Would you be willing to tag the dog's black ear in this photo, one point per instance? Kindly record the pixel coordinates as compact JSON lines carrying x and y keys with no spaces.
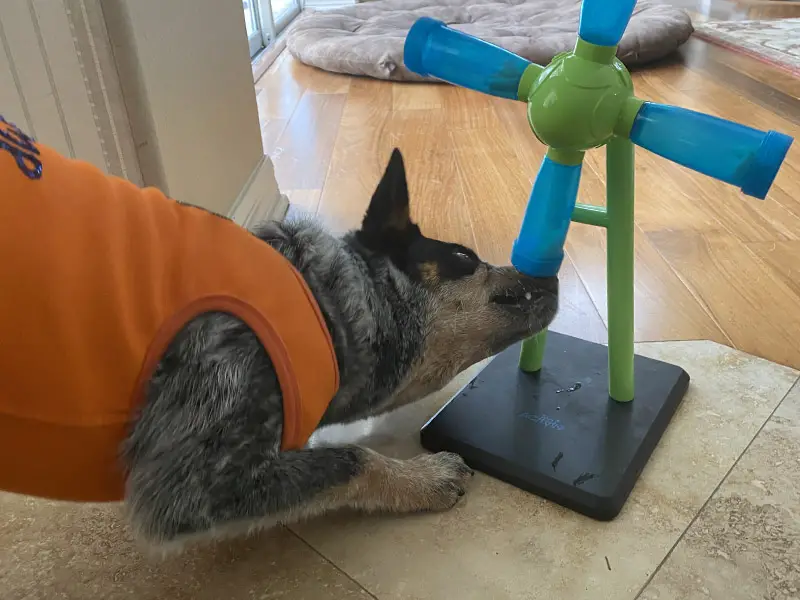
{"x":389,"y":208}
{"x":387,"y":226}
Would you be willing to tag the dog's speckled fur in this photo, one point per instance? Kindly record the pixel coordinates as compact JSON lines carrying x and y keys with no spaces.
{"x":406,"y":313}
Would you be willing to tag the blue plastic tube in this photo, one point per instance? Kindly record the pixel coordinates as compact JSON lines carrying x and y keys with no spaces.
{"x":434,"y":49}
{"x":539,"y":248}
{"x":604,"y":21}
{"x":733,"y":153}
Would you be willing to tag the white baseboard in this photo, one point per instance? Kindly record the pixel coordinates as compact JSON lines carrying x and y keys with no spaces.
{"x":263,"y":61}
{"x":260,"y":199}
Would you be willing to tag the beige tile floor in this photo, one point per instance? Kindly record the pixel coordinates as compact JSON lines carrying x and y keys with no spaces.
{"x":745,"y":543}
{"x":715,"y":515}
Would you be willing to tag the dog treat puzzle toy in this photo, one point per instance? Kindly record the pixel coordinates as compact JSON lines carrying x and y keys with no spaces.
{"x":570,"y":424}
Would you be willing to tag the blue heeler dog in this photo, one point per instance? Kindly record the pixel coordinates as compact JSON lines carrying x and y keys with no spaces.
{"x":406,"y":313}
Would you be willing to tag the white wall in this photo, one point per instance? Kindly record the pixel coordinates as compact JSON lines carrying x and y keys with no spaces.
{"x":58,"y":82}
{"x":188,"y":85}
{"x":157,"y":91}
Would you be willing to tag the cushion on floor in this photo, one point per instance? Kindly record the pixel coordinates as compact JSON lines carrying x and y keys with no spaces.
{"x":367,"y":39}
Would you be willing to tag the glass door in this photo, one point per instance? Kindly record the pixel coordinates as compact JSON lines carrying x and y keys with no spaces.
{"x":252,"y":20}
{"x":265,"y":19}
{"x":283,"y":11}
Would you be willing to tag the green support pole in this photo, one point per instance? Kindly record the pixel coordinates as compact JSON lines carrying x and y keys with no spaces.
{"x":619,"y":257}
{"x":530,"y":358}
{"x":580,"y":101}
{"x":590,"y":215}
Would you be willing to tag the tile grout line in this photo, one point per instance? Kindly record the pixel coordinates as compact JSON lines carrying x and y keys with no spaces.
{"x":647,"y":583}
{"x":330,"y":562}
{"x":730,"y":346}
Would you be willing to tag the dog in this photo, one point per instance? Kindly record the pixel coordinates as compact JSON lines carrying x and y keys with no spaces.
{"x":405,"y":313}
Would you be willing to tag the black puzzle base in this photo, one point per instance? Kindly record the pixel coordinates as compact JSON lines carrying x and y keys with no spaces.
{"x":557,"y":433}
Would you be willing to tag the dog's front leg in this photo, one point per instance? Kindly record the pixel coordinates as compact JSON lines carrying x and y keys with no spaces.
{"x":429,"y":482}
{"x":187,"y":493}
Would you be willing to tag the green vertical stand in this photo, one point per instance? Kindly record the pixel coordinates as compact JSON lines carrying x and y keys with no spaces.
{"x":619,"y":270}
{"x":564,"y":423}
{"x":577,"y":423}
{"x":532,"y":353}
{"x":617,"y":218}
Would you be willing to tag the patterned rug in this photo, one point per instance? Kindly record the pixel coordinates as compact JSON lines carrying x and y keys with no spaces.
{"x":773,"y":42}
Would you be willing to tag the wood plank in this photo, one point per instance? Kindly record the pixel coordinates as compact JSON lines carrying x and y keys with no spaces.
{"x":460,"y":108}
{"x":435,"y":188}
{"x":435,"y":184}
{"x":756,"y":309}
{"x":513,"y":122}
{"x":317,"y":81}
{"x":665,"y":309}
{"x":369,"y":133}
{"x":278,"y":92}
{"x":496,"y":187}
{"x":417,"y":96}
{"x":784,"y":260}
{"x":304,"y":149}
{"x":672,"y":197}
{"x":577,"y":315}
{"x":359,"y":159}
{"x":465,"y":109}
{"x":271,"y":131}
{"x":746,"y":218}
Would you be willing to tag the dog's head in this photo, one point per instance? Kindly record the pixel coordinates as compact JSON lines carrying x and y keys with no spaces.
{"x":475,"y":309}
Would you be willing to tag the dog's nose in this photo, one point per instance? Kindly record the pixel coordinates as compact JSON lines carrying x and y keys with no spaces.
{"x":542,"y":284}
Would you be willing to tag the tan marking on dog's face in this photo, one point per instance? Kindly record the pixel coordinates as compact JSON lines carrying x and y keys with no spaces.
{"x":474,"y":317}
{"x":475,"y":310}
{"x":429,"y":273}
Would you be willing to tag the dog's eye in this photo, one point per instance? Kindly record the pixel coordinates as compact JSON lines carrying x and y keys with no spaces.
{"x":462,"y":255}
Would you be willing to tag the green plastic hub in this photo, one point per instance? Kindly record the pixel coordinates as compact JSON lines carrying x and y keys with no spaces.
{"x":580,"y":100}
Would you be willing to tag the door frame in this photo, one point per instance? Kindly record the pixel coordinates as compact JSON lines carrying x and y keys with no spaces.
{"x":256,"y":39}
{"x":268,"y":28}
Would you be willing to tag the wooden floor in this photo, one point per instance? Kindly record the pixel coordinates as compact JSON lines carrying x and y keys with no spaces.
{"x":710,"y":262}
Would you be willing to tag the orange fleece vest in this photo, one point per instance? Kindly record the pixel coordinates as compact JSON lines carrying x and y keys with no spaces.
{"x":96,"y":278}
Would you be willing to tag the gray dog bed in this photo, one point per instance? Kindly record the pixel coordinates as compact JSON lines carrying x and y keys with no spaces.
{"x":367,"y":39}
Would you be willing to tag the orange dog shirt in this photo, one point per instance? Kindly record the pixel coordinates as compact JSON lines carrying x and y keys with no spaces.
{"x":96,"y":278}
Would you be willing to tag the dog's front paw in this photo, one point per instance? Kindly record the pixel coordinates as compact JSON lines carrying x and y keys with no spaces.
{"x":429,"y":482}
{"x":439,"y":481}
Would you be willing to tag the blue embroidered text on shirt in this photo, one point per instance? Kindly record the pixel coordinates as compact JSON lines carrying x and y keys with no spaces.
{"x":22,"y":148}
